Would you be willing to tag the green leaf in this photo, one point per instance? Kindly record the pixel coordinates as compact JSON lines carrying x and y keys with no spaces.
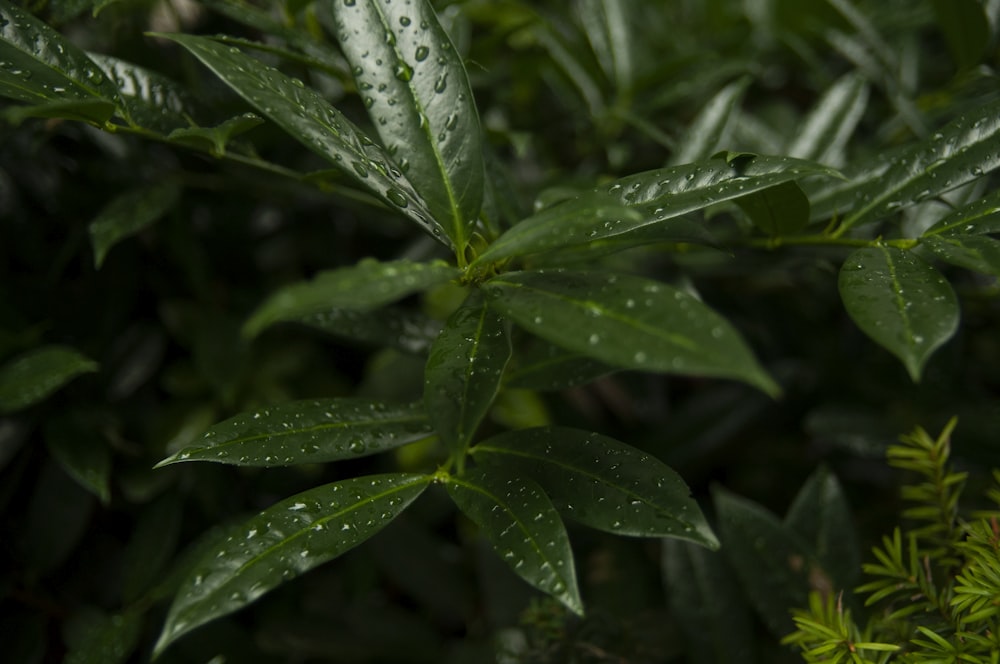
{"x":900,"y":302}
{"x":129,"y":213}
{"x":147,"y":99}
{"x":81,"y":452}
{"x":779,"y":210}
{"x":708,"y":132}
{"x":961,"y":152}
{"x":42,"y":67}
{"x":627,"y":321}
{"x":310,"y":119}
{"x":417,"y":93}
{"x":313,"y":431}
{"x":773,"y":565}
{"x":976,"y":218}
{"x":519,"y":520}
{"x":361,"y":287}
{"x":645,"y":199}
{"x":973,"y":252}
{"x":544,"y":366}
{"x":464,"y":370}
{"x":112,"y":643}
{"x":214,"y":139}
{"x":706,"y":600}
{"x":601,"y":482}
{"x":606,"y":23}
{"x":831,"y":122}
{"x":151,"y":546}
{"x":34,"y":375}
{"x":396,"y":327}
{"x":965,"y":27}
{"x":95,"y":111}
{"x":284,"y":541}
{"x":821,"y":516}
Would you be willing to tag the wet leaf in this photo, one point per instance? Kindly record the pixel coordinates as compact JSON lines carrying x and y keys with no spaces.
{"x":961,"y":152}
{"x":285,"y":541}
{"x":82,"y":452}
{"x":976,"y":218}
{"x":601,"y":482}
{"x":95,"y":111}
{"x":544,"y":366}
{"x":32,"y":376}
{"x":129,"y":213}
{"x":709,"y":130}
{"x":214,"y":139}
{"x":642,"y":200}
{"x":464,"y":370}
{"x":779,"y":210}
{"x":973,"y":252}
{"x":310,"y":119}
{"x":315,"y":431}
{"x":626,"y":321}
{"x":396,"y":327}
{"x":362,"y":287}
{"x":417,"y":93}
{"x":773,"y":564}
{"x":965,"y":27}
{"x":516,"y":516}
{"x":900,"y":302}
{"x":147,"y":99}
{"x":831,"y":122}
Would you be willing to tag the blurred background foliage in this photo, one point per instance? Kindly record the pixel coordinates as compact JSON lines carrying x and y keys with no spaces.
{"x":92,"y":538}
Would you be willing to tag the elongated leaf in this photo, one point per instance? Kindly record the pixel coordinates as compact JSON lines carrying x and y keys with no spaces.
{"x":831,"y":122}
{"x":975,"y":252}
{"x":648,"y":198}
{"x":976,"y":218}
{"x":707,"y":133}
{"x":601,"y":482}
{"x":306,"y":116}
{"x":464,"y":370}
{"x":40,"y":66}
{"x":779,"y":210}
{"x":151,"y":546}
{"x":606,"y":23}
{"x":544,"y":366}
{"x":627,"y":321}
{"x":774,"y":565}
{"x":33,"y":376}
{"x":148,"y":99}
{"x":284,"y":541}
{"x":81,"y":452}
{"x":709,"y":607}
{"x":901,"y":302}
{"x":129,"y":213}
{"x":417,"y":93}
{"x":965,"y":28}
{"x":95,"y":111}
{"x":307,"y":432}
{"x":362,"y":287}
{"x":408,"y":331}
{"x":961,"y":152}
{"x":215,"y":139}
{"x":516,"y":516}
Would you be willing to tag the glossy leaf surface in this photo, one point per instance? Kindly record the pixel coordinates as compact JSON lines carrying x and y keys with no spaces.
{"x":129,"y":213}
{"x":778,"y":210}
{"x":627,"y":321}
{"x":310,"y":119}
{"x":976,"y":218}
{"x":147,"y":99}
{"x":285,"y":541}
{"x":648,"y":198}
{"x":826,"y":130}
{"x":215,"y":139}
{"x":308,"y":432}
{"x":518,"y":519}
{"x":707,"y":133}
{"x":973,"y":252}
{"x":34,"y":375}
{"x":601,"y":482}
{"x":545,"y":366}
{"x":900,"y":302}
{"x":417,"y":93}
{"x":464,"y":370}
{"x":367,"y":285}
{"x":395,"y":327}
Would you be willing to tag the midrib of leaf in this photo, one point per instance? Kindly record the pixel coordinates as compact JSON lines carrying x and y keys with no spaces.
{"x":567,"y":582}
{"x":456,"y":213}
{"x":897,"y":290}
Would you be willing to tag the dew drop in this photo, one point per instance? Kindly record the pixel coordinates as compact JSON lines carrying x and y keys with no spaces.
{"x":396,"y":197}
{"x":403,"y":72}
{"x":441,"y":84}
{"x":404,"y":21}
{"x":360,"y":169}
{"x":422,"y":53}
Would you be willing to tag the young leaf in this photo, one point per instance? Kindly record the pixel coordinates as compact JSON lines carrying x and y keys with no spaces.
{"x":707,"y":134}
{"x":310,"y":119}
{"x":464,"y":371}
{"x":43,"y":67}
{"x":284,"y":541}
{"x":627,"y":321}
{"x":214,"y":139}
{"x":900,"y":302}
{"x":129,"y":213}
{"x":361,"y":287}
{"x":648,"y":198}
{"x":827,"y":128}
{"x":961,"y":152}
{"x":417,"y":93}
{"x":976,"y":218}
{"x":34,"y":375}
{"x":601,"y":482}
{"x":774,"y":566}
{"x":307,"y":432}
{"x":517,"y":517}
{"x":779,"y":210}
{"x":973,"y":252}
